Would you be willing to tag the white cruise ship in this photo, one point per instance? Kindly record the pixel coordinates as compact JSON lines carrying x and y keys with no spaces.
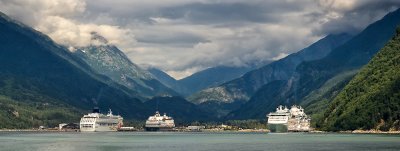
{"x":97,"y":122}
{"x":159,"y":123}
{"x":284,"y":120}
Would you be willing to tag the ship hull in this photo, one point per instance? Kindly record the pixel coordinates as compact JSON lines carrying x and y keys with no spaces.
{"x":154,"y":129}
{"x":99,"y":129}
{"x":278,"y":128}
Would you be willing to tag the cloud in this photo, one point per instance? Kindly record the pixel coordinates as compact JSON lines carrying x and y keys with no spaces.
{"x":351,"y":16}
{"x":55,"y":18}
{"x":228,"y":13}
{"x":70,"y":33}
{"x":31,"y":11}
{"x":185,"y":36}
{"x":280,"y":56}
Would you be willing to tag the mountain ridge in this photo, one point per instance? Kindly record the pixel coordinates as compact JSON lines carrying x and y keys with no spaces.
{"x":109,"y":61}
{"x":211,"y":77}
{"x":341,"y":64}
{"x":239,"y":90}
{"x":371,"y":99}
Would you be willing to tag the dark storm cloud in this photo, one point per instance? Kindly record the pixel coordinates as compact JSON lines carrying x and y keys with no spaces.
{"x":184,"y":36}
{"x":217,"y":13}
{"x":178,"y":39}
{"x":355,"y":18}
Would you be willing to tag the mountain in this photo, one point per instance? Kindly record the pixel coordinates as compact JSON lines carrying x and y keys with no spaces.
{"x":109,"y":61}
{"x":163,"y":77}
{"x":211,"y":77}
{"x":238,"y":91}
{"x":168,"y":81}
{"x":43,"y":83}
{"x":177,"y":107}
{"x":34,"y":70}
{"x":316,"y":83}
{"x":371,"y":100}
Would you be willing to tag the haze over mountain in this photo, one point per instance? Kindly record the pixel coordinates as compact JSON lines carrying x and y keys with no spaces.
{"x":213,"y":77}
{"x":203,"y":79}
{"x":166,"y":79}
{"x":317,"y":82}
{"x":238,"y":91}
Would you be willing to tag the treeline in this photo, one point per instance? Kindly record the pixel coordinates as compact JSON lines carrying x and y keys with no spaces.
{"x":22,"y":115}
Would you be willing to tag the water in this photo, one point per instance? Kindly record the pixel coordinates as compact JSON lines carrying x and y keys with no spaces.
{"x":114,"y":141}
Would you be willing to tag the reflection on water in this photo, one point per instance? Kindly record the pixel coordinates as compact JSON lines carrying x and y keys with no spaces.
{"x":112,"y":141}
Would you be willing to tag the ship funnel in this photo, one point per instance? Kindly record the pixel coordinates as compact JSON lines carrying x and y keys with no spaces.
{"x":96,"y":110}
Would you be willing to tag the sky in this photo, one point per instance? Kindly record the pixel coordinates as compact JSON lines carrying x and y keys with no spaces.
{"x":181,"y":37}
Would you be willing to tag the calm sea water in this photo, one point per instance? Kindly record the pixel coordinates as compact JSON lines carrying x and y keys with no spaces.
{"x":155,"y":141}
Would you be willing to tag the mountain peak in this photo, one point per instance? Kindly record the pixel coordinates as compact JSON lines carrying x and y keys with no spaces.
{"x":110,"y":61}
{"x":97,"y":39}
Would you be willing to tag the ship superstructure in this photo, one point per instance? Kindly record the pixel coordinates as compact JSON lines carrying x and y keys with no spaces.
{"x":97,"y":122}
{"x":159,"y":123}
{"x":299,"y":121}
{"x":292,"y":120}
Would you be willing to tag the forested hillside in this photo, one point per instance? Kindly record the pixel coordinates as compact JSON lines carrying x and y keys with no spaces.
{"x":372,"y":98}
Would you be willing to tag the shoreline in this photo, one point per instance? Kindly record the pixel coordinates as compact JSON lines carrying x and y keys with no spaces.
{"x":369,"y":132}
{"x":218,"y":131}
{"x":359,"y":132}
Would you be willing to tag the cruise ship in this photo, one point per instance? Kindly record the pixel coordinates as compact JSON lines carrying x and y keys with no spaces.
{"x":288,"y":120}
{"x":97,"y":122}
{"x":159,"y":123}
